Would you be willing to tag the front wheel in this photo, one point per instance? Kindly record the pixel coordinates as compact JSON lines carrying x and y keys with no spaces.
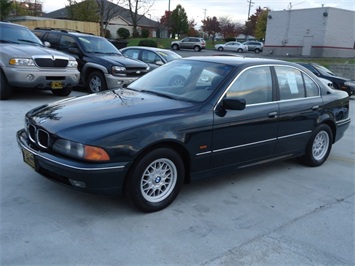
{"x":220,"y":49}
{"x":318,"y":147}
{"x":175,"y":47}
{"x":96,"y":82}
{"x":155,"y":180}
{"x":5,"y":88}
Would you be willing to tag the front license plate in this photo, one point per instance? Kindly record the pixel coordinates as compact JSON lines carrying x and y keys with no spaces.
{"x":57,"y":85}
{"x":29,"y":158}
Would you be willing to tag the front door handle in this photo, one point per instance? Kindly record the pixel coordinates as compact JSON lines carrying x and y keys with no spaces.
{"x":272,"y":115}
{"x":316,"y":107}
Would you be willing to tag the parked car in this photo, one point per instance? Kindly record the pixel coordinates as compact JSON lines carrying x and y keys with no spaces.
{"x":146,"y":140}
{"x":339,"y":83}
{"x":255,"y":46}
{"x":154,"y":57}
{"x":26,"y":62}
{"x":197,"y":44}
{"x":101,"y":64}
{"x":232,"y":46}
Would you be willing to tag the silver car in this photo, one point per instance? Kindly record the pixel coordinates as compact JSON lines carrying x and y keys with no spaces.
{"x":232,"y":46}
{"x":26,"y":62}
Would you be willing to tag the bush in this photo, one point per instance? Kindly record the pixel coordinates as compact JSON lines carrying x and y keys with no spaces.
{"x":145,"y":33}
{"x":230,"y":39}
{"x":123,"y":33}
{"x":148,"y":43}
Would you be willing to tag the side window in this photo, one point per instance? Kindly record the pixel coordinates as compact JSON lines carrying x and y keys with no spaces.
{"x":149,"y":57}
{"x":132,"y":53}
{"x":311,"y":87}
{"x":254,"y":85}
{"x":53,"y":39}
{"x":67,"y":42}
{"x":290,"y":83}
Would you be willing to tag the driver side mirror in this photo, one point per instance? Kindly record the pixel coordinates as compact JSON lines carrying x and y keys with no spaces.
{"x":233,"y":103}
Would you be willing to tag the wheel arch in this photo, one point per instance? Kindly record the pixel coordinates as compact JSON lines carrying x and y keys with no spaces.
{"x":170,"y":144}
{"x":331,"y":125}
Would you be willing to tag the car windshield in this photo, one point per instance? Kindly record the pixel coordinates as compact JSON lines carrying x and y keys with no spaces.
{"x":18,"y":35}
{"x":186,"y":80}
{"x":94,"y":44}
{"x":323,"y":70}
{"x":169,"y":56}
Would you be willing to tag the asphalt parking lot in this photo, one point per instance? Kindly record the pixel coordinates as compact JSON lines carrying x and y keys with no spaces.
{"x":279,"y":214}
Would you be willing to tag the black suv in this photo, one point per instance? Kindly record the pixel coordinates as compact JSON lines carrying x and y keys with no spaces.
{"x":101,"y":64}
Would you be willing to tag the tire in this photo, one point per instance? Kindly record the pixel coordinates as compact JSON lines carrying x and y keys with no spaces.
{"x":175,"y":47}
{"x":177,"y":81}
{"x":197,"y":48}
{"x":5,"y":88}
{"x":220,"y":49}
{"x":63,"y":92}
{"x":155,"y":180}
{"x":257,"y":51}
{"x":240,"y":50}
{"x":318,"y":147}
{"x":96,"y":82}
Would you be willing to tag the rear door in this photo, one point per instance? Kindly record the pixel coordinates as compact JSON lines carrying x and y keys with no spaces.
{"x":300,"y":103}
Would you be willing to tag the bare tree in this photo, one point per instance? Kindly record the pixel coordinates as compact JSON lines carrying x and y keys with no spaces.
{"x":137,"y":10}
{"x":107,"y":11}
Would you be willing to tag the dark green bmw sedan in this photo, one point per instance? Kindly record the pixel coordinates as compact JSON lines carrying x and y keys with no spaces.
{"x":149,"y":138}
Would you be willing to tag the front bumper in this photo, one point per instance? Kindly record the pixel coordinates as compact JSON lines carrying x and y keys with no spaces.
{"x":35,"y":78}
{"x":114,"y":82}
{"x":104,"y":178}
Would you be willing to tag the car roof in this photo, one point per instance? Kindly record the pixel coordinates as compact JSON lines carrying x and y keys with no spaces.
{"x":237,"y":61}
{"x":146,"y":48}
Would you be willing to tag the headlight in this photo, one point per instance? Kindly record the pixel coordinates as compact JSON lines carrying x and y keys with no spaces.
{"x":349,"y":84}
{"x":21,"y":62}
{"x":117,"y":70}
{"x":73,"y":63}
{"x":80,"y":151}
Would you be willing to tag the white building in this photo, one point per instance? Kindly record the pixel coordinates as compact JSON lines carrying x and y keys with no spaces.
{"x":315,"y":32}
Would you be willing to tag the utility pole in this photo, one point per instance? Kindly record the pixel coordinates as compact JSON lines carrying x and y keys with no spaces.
{"x":250,"y":5}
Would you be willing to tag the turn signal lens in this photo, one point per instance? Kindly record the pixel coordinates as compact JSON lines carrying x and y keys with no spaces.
{"x":95,"y":154}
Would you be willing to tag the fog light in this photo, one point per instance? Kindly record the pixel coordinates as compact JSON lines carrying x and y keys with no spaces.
{"x":30,"y":77}
{"x":75,"y":77}
{"x":76,"y":183}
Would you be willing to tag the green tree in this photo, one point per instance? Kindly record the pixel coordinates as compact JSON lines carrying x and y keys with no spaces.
{"x":179,"y":23}
{"x":250,"y":25}
{"x":5,"y":8}
{"x":83,"y":11}
{"x":261,"y":22}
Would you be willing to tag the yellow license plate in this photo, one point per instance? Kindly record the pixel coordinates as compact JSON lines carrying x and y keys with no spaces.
{"x":29,"y":158}
{"x":57,"y":85}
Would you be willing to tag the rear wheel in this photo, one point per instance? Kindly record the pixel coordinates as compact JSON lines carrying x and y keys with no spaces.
{"x":5,"y":88}
{"x":197,"y":48}
{"x":155,"y":180}
{"x":240,"y":50}
{"x":318,"y":147}
{"x":257,"y":50}
{"x":63,"y":92}
{"x":96,"y":82}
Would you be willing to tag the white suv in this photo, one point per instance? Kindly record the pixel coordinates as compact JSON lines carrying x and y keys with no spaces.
{"x":26,"y":62}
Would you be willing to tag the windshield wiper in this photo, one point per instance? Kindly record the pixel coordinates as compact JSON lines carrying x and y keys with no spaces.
{"x":6,"y":41}
{"x":29,"y":41}
{"x":159,"y":94}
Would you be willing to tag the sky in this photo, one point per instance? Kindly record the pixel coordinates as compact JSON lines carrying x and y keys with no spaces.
{"x":235,"y":10}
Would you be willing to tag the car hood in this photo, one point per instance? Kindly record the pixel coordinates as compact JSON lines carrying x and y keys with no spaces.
{"x":96,"y":116}
{"x":23,"y":50}
{"x":123,"y":61}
